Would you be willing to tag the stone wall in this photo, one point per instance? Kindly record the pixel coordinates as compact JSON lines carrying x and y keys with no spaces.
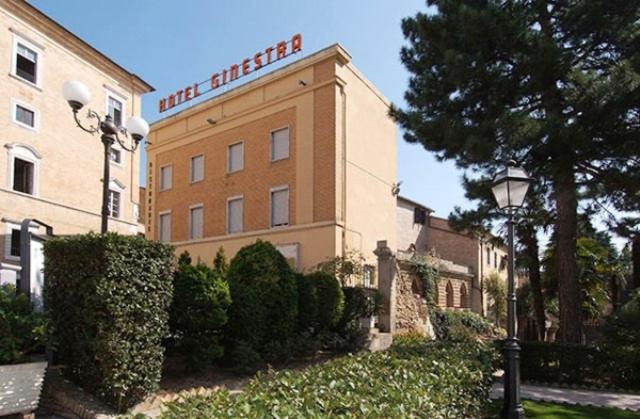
{"x":412,"y":313}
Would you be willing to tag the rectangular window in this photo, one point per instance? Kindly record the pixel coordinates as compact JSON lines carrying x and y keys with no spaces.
{"x":419,"y":215}
{"x":114,"y":204}
{"x":165,"y":228}
{"x":280,"y":144}
{"x":22,"y":176}
{"x":196,"y":222}
{"x":166,"y":173}
{"x":280,"y":207}
{"x":488,"y":255}
{"x":197,"y":168}
{"x":116,"y":155}
{"x":368,"y":274}
{"x":114,"y":109}
{"x":235,"y":215}
{"x":26,"y":63}
{"x":25,"y":116}
{"x":15,"y":243}
{"x":235,"y":157}
{"x":495,"y":260}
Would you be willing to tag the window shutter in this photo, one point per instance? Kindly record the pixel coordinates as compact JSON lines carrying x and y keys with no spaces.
{"x":235,"y":215}
{"x":280,"y":144}
{"x":165,"y":227}
{"x":196,"y":223}
{"x":236,"y":157}
{"x":280,"y":208}
{"x":165,"y":177}
{"x":197,"y":168}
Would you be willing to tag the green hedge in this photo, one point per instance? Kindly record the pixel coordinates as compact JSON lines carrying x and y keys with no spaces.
{"x":414,"y":378}
{"x":458,"y":325}
{"x":307,"y":303}
{"x":198,"y":312}
{"x":107,"y":298}
{"x":264,"y":307}
{"x":22,"y":330}
{"x":320,"y":301}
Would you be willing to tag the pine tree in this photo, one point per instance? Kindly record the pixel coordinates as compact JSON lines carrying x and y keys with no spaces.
{"x":552,"y":84}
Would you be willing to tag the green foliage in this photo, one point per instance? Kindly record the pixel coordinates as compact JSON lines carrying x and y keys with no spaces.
{"x":264,"y":298}
{"x":415,"y":379}
{"x":198,"y":313}
{"x":107,"y":299}
{"x":22,"y":330}
{"x":307,"y":303}
{"x":458,"y":325}
{"x":330,"y":299}
{"x":497,"y":290}
{"x":220,"y":265}
{"x":358,"y":303}
{"x":426,"y":268}
{"x":349,"y":269}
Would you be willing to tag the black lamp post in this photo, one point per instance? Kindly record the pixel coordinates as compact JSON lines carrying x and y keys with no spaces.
{"x":77,"y":95}
{"x":510,"y":188}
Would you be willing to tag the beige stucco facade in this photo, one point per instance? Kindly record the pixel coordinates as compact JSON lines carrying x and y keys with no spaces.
{"x":66,"y":178}
{"x":339,"y":170}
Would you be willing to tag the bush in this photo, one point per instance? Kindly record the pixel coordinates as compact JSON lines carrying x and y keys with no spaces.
{"x":199,"y":312}
{"x":307,"y":303}
{"x":412,"y":379}
{"x":108,"y":297}
{"x":330,"y":299}
{"x":458,"y":325}
{"x":264,"y":297}
{"x":22,"y":330}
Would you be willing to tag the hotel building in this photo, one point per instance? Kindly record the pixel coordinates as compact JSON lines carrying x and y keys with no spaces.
{"x":52,"y":170}
{"x":304,"y":157}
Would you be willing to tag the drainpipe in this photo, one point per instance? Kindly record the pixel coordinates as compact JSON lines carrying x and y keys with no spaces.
{"x":343,"y":98}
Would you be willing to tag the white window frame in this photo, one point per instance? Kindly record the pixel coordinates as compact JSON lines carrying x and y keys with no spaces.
{"x":14,"y":60}
{"x":26,"y":153}
{"x":121,"y":162}
{"x":36,"y":115}
{"x":116,"y":186}
{"x":160,"y":214}
{"x":162,"y":188}
{"x":271,"y":159}
{"x":109,"y":93}
{"x":229,"y":200}
{"x":191,"y":208}
{"x":241,"y":144}
{"x":191,"y":180}
{"x":9,"y":227}
{"x":279,"y":189}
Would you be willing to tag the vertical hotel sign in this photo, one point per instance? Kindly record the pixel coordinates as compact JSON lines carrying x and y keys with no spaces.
{"x":227,"y":75}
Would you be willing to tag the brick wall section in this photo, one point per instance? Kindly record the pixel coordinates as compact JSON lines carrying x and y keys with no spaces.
{"x":254,"y":181}
{"x":324,"y":146}
{"x":456,"y":284}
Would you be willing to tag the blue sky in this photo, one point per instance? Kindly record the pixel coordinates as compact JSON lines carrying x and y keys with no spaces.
{"x":173,"y":43}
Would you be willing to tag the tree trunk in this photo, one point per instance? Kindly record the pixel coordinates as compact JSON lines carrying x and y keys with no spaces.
{"x":566,"y":270}
{"x":635,"y":258}
{"x":532,"y":251}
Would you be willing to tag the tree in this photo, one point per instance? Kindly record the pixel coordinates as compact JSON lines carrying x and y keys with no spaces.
{"x":552,"y":84}
{"x":497,"y":289}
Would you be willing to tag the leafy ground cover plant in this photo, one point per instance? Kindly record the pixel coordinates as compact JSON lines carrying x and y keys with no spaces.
{"x":22,"y":330}
{"x":414,"y":378}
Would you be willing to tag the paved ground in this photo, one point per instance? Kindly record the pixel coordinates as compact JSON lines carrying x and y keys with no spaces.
{"x":572,"y":396}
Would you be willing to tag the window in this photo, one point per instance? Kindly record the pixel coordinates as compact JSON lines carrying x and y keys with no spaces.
{"x":280,"y":207}
{"x":197,"y":168}
{"x":15,"y":243}
{"x":196,"y":221}
{"x":488,"y":255}
{"x":115,"y":110}
{"x":23,"y":176}
{"x":495,"y":260}
{"x":26,"y":61}
{"x":166,"y":173}
{"x":165,"y":227}
{"x":114,"y":204}
{"x":449,"y":291}
{"x":116,"y":155}
{"x":419,"y":215}
{"x":25,"y":116}
{"x":235,"y":157}
{"x":235,"y":215}
{"x":280,"y":144}
{"x":368,"y":274}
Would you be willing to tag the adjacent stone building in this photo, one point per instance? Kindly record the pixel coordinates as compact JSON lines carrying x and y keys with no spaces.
{"x":52,"y":170}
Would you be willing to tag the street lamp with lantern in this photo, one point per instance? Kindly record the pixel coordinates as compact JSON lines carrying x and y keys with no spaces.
{"x":78,"y":96}
{"x":509,"y":189}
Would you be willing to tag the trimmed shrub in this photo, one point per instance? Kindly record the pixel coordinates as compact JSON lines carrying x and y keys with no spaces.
{"x":458,"y":325}
{"x":22,"y":330}
{"x":412,"y":379}
{"x":199,"y":312}
{"x":330,"y":299}
{"x":307,"y":303}
{"x":264,"y":297}
{"x":107,"y":297}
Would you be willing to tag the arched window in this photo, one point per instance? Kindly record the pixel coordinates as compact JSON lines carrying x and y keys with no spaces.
{"x":23,"y":169}
{"x":449,"y":291}
{"x":464,"y":297}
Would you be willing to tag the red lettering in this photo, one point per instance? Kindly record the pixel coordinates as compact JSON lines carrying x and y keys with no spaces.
{"x":196,"y":92}
{"x":163,"y":105}
{"x":268,"y":51}
{"x":296,"y":43}
{"x":257,"y":60}
{"x":172,"y":101}
{"x":245,"y":66}
{"x":179,"y":96}
{"x":281,"y":50}
{"x":233,"y":70}
{"x":224,"y":76}
{"x":187,"y":93}
{"x":214,"y":81}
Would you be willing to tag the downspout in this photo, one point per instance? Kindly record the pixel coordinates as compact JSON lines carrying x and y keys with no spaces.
{"x":343,"y":98}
